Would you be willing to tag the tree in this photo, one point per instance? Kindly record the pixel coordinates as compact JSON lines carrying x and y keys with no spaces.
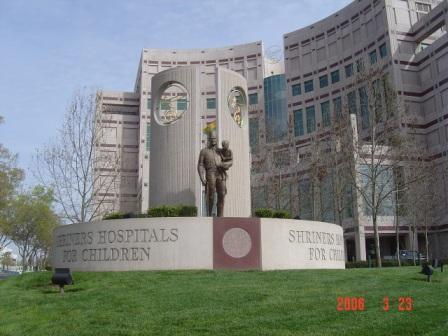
{"x":377,"y":146}
{"x":32,"y":222}
{"x":67,"y":163}
{"x":10,"y":178}
{"x":6,"y":260}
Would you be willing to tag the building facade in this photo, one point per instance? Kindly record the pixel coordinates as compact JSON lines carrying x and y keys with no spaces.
{"x":406,"y":38}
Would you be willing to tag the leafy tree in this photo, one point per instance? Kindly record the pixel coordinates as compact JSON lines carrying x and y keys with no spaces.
{"x":6,"y":260}
{"x":10,"y":178}
{"x":32,"y":223}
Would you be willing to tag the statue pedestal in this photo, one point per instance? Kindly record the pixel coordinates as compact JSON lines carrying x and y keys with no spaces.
{"x":182,"y":243}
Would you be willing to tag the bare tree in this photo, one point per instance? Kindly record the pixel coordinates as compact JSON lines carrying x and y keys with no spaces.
{"x":377,"y":149}
{"x":67,"y":163}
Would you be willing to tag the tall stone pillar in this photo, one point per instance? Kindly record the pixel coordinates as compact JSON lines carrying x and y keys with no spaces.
{"x":360,"y":237}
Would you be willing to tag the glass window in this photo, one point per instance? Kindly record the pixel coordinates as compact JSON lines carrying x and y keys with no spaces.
{"x":335,"y":77}
{"x":364,"y":104}
{"x":351,"y":96}
{"x":423,"y":7}
{"x":253,"y":99}
{"x":383,"y":50}
{"x":348,"y":202}
{"x":310,"y":119}
{"x":323,"y":81}
{"x":360,"y":65}
{"x":211,"y":103}
{"x":253,"y":134}
{"x":349,"y":70}
{"x":326,"y":118}
{"x":164,"y":104}
{"x":148,"y":104}
{"x":182,"y":104}
{"x":327,"y":199}
{"x":305,"y":200}
{"x":373,"y":57}
{"x":296,"y":89}
{"x":298,"y":123}
{"x":384,"y":182}
{"x":337,"y":107}
{"x":309,"y":86}
{"x":148,"y":137}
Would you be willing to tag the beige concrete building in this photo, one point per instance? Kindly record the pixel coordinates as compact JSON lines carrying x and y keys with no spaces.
{"x":408,"y":38}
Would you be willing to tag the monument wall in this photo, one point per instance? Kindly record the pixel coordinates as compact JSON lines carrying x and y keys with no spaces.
{"x":185,"y":243}
{"x":177,"y":136}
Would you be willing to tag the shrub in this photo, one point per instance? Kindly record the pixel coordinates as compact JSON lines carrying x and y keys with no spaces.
{"x":384,"y":263}
{"x":173,"y":211}
{"x":281,"y":214}
{"x":264,"y":213}
{"x":116,"y":215}
{"x":188,"y":211}
{"x":356,"y":264}
{"x":164,"y":211}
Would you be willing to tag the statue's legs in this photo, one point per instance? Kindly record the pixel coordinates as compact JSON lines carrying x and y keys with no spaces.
{"x":210,"y":192}
{"x":222,"y":191}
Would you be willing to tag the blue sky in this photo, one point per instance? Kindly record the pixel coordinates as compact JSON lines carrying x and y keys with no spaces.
{"x":50,"y":48}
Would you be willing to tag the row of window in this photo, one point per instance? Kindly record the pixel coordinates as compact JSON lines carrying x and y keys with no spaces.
{"x":335,"y":75}
{"x":310,"y":113}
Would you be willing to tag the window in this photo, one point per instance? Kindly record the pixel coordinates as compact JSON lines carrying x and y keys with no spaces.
{"x":351,"y":96}
{"x":181,"y":104}
{"x":373,"y":57}
{"x":298,"y":123}
{"x":384,"y":182}
{"x":309,"y":86}
{"x":164,"y":104}
{"x":337,"y":107}
{"x":253,"y":99}
{"x":323,"y":81}
{"x":383,"y":50}
{"x":422,"y":9}
{"x":211,"y":103}
{"x":310,"y":119}
{"x":148,"y":137}
{"x":349,"y":70}
{"x":364,"y":104}
{"x":148,"y":104}
{"x":296,"y":89}
{"x":360,"y":65}
{"x":326,"y":118}
{"x":335,"y":77}
{"x":305,"y":200}
{"x":253,"y":134}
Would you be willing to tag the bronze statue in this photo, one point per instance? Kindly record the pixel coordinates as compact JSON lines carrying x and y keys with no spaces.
{"x":213,"y":164}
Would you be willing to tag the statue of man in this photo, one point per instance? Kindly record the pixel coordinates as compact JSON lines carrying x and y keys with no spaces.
{"x":212,"y":166}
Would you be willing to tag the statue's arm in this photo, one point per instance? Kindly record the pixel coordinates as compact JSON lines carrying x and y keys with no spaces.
{"x":201,"y":168}
{"x":228,"y":162}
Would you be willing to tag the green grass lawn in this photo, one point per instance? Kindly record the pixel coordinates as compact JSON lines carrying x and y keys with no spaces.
{"x":225,"y":303}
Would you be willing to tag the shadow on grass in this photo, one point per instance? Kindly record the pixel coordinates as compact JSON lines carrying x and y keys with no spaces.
{"x":55,"y":290}
{"x":425,"y":280}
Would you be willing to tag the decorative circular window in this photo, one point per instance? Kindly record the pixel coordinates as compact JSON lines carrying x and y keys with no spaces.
{"x":173,"y":103}
{"x":237,"y":105}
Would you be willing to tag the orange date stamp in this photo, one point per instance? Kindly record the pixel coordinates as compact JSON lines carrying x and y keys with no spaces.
{"x":349,"y":303}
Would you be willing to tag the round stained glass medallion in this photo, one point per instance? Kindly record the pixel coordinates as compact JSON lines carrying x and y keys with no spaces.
{"x":237,"y":105}
{"x":173,"y":103}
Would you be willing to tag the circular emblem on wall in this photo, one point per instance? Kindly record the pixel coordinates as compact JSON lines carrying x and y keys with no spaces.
{"x":237,"y":242}
{"x":237,"y":105}
{"x":173,"y":103}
